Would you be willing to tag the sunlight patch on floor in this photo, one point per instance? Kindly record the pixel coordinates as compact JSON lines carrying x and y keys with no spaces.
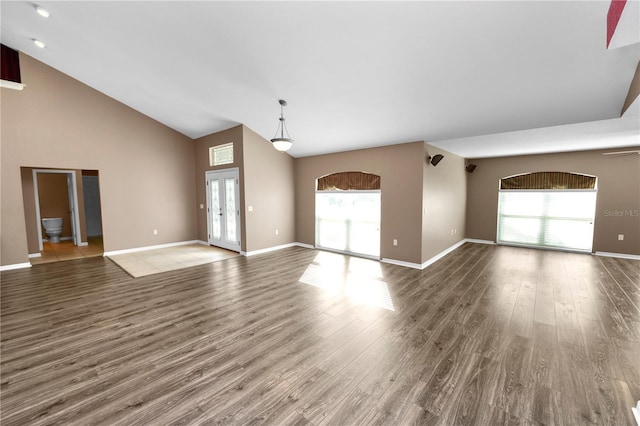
{"x":359,"y":280}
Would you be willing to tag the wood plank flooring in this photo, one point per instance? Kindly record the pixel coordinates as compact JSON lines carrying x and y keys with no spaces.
{"x":487,"y":335}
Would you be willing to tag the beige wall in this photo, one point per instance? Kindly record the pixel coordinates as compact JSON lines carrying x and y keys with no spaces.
{"x":400,"y":168}
{"x":269,"y":187}
{"x":202,"y":146}
{"x":444,"y":202}
{"x":618,"y":193}
{"x":146,"y":169}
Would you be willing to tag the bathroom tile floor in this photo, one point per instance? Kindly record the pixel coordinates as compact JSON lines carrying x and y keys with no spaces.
{"x":150,"y":262}
{"x":66,"y":250}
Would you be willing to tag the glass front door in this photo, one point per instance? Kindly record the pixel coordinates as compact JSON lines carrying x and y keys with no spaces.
{"x":223,"y":209}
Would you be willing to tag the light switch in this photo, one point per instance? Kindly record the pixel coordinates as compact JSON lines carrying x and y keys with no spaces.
{"x":250,"y":208}
{"x":201,"y":206}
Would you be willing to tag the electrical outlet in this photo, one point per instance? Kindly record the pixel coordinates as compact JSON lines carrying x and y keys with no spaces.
{"x":155,"y":232}
{"x":201,"y":206}
{"x":250,"y":209}
{"x":395,"y":242}
{"x":276,"y":232}
{"x":620,"y":237}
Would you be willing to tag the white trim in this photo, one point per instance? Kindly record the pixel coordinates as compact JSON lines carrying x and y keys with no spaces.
{"x":15,"y":266}
{"x":7,"y":84}
{"x":34,"y":255}
{"x":202,"y":243}
{"x":619,"y":255}
{"x":401,"y":263}
{"x":442,"y":254}
{"x":636,"y":412}
{"x":84,"y":243}
{"x":473,"y":240}
{"x":304,"y":245}
{"x":428,"y":262}
{"x":159,"y":246}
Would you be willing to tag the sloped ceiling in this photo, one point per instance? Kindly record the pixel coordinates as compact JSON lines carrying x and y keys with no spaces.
{"x":355,"y":74}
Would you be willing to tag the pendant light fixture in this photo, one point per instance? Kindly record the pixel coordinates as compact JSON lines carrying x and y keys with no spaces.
{"x":280,"y":142}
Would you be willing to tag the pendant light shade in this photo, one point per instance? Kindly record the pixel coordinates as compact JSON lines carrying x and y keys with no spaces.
{"x":280,"y":141}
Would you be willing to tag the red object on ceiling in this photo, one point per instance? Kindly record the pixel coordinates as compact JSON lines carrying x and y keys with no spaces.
{"x":613,"y":17}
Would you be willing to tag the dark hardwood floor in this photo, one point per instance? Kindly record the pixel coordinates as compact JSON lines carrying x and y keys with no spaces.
{"x":487,"y":335}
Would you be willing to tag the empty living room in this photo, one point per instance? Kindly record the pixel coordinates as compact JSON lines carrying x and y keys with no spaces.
{"x":320,"y":213}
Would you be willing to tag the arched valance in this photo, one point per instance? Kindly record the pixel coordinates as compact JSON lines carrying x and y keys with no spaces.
{"x":349,"y":181}
{"x":548,"y":180}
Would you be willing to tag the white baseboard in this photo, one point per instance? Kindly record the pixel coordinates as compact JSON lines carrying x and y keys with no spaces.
{"x":473,"y":240}
{"x":203,"y":243}
{"x":428,"y":262}
{"x":401,"y":263}
{"x":442,"y":254}
{"x":159,"y":246}
{"x":304,"y":245}
{"x":619,"y":255}
{"x":83,"y":244}
{"x":34,"y":255}
{"x":15,"y":266}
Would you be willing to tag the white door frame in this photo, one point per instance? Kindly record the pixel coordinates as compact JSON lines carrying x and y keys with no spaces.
{"x":208,"y":175}
{"x":73,"y":196}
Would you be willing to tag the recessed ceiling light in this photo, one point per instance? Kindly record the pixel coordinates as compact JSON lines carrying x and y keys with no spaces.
{"x":42,"y":11}
{"x":39,"y":43}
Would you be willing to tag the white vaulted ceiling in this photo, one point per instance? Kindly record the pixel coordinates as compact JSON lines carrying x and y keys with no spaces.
{"x":355,"y":74}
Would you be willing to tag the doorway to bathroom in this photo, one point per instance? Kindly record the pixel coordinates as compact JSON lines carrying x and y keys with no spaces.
{"x":53,"y":202}
{"x":69,"y":196}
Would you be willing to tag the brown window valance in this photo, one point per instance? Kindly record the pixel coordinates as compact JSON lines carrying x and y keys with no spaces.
{"x":349,"y":181}
{"x":548,"y":180}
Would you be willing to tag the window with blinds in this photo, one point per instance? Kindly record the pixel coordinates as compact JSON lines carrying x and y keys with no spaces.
{"x":551,"y":218}
{"x":348,"y":213}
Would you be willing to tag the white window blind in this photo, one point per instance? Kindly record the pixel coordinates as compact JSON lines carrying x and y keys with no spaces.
{"x":553,"y":218}
{"x":349,"y":221}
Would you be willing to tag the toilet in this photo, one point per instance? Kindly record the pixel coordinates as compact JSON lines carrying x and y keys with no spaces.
{"x":53,"y":228}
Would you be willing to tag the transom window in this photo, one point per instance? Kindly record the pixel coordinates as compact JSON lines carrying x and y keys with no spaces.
{"x":221,"y":154}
